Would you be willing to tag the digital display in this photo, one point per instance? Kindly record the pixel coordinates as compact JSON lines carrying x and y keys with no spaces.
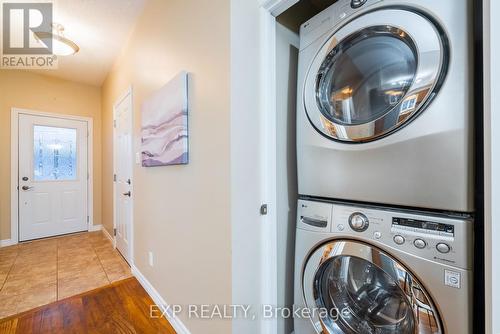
{"x":423,"y":224}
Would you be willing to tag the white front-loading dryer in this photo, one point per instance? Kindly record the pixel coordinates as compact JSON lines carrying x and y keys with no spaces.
{"x":384,"y":110}
{"x":372,"y":270}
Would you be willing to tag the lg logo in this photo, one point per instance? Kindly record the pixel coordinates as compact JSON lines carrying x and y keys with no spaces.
{"x":21,"y":23}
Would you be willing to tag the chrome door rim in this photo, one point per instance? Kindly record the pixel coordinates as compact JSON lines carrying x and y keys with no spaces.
{"x":353,"y":248}
{"x":429,"y":36}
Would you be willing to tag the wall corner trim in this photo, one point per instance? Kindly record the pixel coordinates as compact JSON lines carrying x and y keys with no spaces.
{"x":176,"y":323}
{"x":107,"y":235}
{"x":7,"y":242}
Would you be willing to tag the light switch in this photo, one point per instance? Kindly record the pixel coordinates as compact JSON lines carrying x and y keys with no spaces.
{"x":151,"y":259}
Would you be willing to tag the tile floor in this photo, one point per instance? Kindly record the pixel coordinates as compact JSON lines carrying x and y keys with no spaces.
{"x":40,"y":272}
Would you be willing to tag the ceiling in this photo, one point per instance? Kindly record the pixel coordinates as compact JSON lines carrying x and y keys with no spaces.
{"x":100,"y":28}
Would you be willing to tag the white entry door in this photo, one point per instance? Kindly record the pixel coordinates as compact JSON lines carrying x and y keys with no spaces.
{"x":53,"y":176}
{"x":123,"y":174}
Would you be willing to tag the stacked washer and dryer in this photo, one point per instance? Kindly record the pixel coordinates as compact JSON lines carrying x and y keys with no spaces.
{"x":385,"y":169}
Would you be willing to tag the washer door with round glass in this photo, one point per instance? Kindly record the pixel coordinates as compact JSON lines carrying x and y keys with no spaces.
{"x":354,"y":288}
{"x":375,"y":74}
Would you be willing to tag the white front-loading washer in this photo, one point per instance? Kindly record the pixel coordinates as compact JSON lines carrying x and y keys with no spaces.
{"x":373,"y":270}
{"x":384,"y":110}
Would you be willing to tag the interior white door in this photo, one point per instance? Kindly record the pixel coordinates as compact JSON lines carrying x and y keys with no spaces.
{"x":123,"y":172}
{"x":53,"y":175}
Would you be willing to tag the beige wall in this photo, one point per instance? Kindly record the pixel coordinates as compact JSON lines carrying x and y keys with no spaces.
{"x":26,"y":90}
{"x":181,"y":213}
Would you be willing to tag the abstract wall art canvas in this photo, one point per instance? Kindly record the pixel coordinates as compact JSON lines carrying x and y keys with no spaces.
{"x":164,"y":134}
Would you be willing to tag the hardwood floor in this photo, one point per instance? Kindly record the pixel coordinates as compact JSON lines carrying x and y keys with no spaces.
{"x":122,"y":308}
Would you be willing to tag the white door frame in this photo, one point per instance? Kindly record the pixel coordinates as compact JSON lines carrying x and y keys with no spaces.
{"x":491,"y":49}
{"x":128,"y":92}
{"x":14,"y":167}
{"x":269,"y":280}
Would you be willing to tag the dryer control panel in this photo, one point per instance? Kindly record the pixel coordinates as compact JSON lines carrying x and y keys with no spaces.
{"x":330,"y":19}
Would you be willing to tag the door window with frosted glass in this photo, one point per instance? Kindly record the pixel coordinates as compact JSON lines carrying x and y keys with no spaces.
{"x":54,"y":153}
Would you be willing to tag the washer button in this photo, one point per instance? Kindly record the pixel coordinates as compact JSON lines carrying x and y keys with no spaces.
{"x":419,"y":243}
{"x":443,"y":248}
{"x":377,"y":235}
{"x":340,"y":227}
{"x":399,"y":239}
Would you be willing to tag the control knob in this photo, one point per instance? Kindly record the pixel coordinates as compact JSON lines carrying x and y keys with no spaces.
{"x":358,"y":222}
{"x":357,"y":3}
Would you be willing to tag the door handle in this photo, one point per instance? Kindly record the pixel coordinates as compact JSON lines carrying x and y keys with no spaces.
{"x":26,"y":188}
{"x":128,"y":193}
{"x":321,"y":223}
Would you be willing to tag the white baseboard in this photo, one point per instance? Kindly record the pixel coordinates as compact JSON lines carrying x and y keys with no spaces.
{"x":95,"y":228}
{"x":179,"y":327}
{"x":107,"y":235}
{"x":7,"y":242}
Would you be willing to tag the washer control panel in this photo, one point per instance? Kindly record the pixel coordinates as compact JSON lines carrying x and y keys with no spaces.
{"x":424,"y":232}
{"x":423,"y":226}
{"x":439,"y":238}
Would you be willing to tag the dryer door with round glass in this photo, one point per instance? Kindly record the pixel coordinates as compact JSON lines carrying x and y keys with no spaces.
{"x":356,"y":288}
{"x":375,"y":74}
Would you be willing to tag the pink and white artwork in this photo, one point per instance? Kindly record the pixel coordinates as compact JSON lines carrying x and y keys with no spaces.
{"x":165,"y":125}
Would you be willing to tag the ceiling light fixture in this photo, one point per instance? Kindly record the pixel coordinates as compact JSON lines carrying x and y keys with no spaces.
{"x":61,"y":45}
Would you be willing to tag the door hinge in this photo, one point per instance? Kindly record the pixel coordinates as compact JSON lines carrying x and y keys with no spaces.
{"x":114,"y":177}
{"x":114,"y":231}
{"x":88,"y":219}
{"x":114,"y":123}
{"x":263,"y":209}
